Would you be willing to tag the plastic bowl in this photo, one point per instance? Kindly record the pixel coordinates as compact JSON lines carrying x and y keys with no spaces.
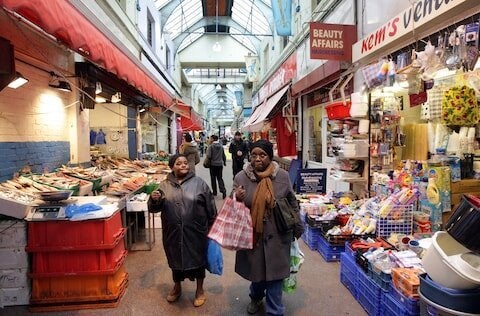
{"x":441,"y":263}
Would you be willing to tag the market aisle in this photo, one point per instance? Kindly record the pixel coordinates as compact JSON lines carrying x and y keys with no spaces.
{"x":320,"y":291}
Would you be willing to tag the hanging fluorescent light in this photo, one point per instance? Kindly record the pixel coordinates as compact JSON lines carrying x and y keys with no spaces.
{"x":98,"y":88}
{"x":18,"y":81}
{"x":218,"y":87}
{"x":117,"y":97}
{"x":99,"y":99}
{"x":217,"y":47}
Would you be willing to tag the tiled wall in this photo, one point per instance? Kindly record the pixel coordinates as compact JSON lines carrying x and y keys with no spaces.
{"x":38,"y":155}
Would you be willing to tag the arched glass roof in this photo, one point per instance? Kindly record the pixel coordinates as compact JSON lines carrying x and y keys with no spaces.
{"x":187,"y":13}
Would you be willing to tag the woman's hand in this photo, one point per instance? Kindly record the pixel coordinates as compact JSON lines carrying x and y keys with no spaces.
{"x":157,"y":195}
{"x":240,"y":194}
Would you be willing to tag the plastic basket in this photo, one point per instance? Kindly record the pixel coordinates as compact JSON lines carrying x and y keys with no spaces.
{"x":348,"y":267}
{"x":311,"y":236}
{"x":349,"y":251}
{"x":381,"y":278}
{"x":399,"y":220}
{"x":75,"y":235}
{"x":78,"y":288}
{"x":328,"y":252}
{"x":83,"y":262}
{"x":369,"y":295}
{"x":349,"y":284}
{"x":412,"y":305}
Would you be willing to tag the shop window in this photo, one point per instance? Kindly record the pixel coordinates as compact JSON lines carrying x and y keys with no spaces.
{"x":150,"y":29}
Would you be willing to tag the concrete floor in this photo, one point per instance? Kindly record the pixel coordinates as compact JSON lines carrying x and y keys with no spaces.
{"x":319,"y":293}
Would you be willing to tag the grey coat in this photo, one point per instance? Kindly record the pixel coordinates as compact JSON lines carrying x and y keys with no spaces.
{"x":269,"y":259}
{"x":216,"y":154}
{"x":188,"y":211}
{"x":191,"y":151}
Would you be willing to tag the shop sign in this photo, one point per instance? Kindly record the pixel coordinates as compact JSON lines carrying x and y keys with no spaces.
{"x":311,"y":181}
{"x":286,"y":72}
{"x":417,"y":15}
{"x":332,"y":41}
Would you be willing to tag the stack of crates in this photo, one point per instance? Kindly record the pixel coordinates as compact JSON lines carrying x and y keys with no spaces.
{"x":348,"y":272}
{"x":330,"y":252}
{"x":395,"y":303}
{"x":14,"y":283}
{"x":311,"y":236}
{"x":369,"y":294}
{"x":77,"y":264}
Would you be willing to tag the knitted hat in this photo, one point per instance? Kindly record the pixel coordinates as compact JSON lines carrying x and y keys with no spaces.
{"x":265,"y":145}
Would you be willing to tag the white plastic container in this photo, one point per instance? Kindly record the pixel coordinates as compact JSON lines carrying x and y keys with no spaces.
{"x":14,"y":296}
{"x":14,"y":234}
{"x":13,"y":278}
{"x":14,"y":208}
{"x":13,"y":258}
{"x":137,"y":206}
{"x":450,"y":264}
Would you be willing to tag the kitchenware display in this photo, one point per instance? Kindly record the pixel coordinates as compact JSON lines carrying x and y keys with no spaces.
{"x":451,"y":264}
{"x":464,"y":223}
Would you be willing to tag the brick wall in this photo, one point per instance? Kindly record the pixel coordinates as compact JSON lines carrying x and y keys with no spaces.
{"x":38,"y":155}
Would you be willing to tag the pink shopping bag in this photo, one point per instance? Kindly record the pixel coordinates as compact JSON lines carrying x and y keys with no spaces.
{"x":232,"y":228}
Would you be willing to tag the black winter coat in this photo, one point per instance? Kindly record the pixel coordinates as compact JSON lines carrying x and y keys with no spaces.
{"x":188,"y":211}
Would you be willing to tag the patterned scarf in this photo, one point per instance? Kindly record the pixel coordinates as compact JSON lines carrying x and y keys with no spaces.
{"x":263,"y":200}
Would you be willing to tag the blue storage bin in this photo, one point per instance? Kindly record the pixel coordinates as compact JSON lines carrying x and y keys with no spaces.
{"x":328,"y":252}
{"x":349,"y":250}
{"x":465,"y":301}
{"x":394,"y":307}
{"x":371,"y":303}
{"x":382,"y":279}
{"x":369,"y":284}
{"x":348,"y":266}
{"x":411,"y":304}
{"x":349,"y":284}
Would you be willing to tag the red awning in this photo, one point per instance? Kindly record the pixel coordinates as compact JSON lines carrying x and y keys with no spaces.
{"x":60,"y":19}
{"x":317,"y":78}
{"x":189,"y":119}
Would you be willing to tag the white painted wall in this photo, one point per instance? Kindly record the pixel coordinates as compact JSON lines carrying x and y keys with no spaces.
{"x":111,"y":118}
{"x":201,"y":51}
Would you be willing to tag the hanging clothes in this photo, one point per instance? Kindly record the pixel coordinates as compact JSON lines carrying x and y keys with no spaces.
{"x":286,"y":140}
{"x":101,"y":137}
{"x":93,"y":137}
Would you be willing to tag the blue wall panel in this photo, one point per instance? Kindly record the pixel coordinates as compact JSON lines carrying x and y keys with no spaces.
{"x":37,"y":155}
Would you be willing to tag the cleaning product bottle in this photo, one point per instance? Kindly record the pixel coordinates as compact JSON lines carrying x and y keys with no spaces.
{"x":433,"y":195}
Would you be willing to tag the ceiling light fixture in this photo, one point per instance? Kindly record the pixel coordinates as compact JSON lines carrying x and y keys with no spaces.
{"x":117,"y":97}
{"x":58,"y":83}
{"x":216,"y":47}
{"x":99,"y":99}
{"x":142,"y":109}
{"x":218,"y":87}
{"x":18,"y":81}
{"x":98,"y":88}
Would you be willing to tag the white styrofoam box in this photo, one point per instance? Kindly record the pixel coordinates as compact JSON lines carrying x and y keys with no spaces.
{"x":13,"y":234}
{"x":13,"y":278}
{"x":137,"y":206}
{"x":13,"y":208}
{"x":14,"y":296}
{"x":85,"y":189}
{"x":13,"y":258}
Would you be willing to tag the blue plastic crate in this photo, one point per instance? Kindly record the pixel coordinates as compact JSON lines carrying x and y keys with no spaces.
{"x":394,"y":307}
{"x":348,"y":266}
{"x":369,"y":284}
{"x":412,"y":305}
{"x":384,"y":280}
{"x":349,"y":250}
{"x":311,"y":236}
{"x":331,"y":247}
{"x":349,"y":284}
{"x":370,"y":304}
{"x":329,"y":253}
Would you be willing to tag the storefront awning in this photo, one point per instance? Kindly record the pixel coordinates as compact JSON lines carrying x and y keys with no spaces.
{"x":61,"y":20}
{"x":189,"y":119}
{"x":263,"y":110}
{"x":322,"y":75}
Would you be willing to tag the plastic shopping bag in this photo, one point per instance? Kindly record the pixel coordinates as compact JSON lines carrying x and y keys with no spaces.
{"x":232,"y":228}
{"x":296,"y":260}
{"x":214,"y":258}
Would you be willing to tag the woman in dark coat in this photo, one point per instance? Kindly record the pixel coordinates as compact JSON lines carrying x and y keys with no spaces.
{"x":188,"y":211}
{"x":268,"y":263}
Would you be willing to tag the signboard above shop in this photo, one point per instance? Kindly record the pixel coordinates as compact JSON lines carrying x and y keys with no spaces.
{"x":417,"y":21}
{"x":332,"y":41}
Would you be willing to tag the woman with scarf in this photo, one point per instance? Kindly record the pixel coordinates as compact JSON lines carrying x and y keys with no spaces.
{"x":268,"y":263}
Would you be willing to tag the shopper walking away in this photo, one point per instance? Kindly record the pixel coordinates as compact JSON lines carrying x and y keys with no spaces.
{"x":239,"y":150}
{"x":190,"y":150}
{"x":258,"y":185}
{"x":187,"y":211}
{"x":202,"y":139}
{"x":217,"y":157}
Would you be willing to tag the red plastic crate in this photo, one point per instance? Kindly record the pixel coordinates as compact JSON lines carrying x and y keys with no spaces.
{"x":83,"y":262}
{"x":68,"y":289}
{"x":72,"y":235}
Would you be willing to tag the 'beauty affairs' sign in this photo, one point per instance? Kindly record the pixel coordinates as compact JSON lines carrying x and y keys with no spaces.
{"x":332,"y":41}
